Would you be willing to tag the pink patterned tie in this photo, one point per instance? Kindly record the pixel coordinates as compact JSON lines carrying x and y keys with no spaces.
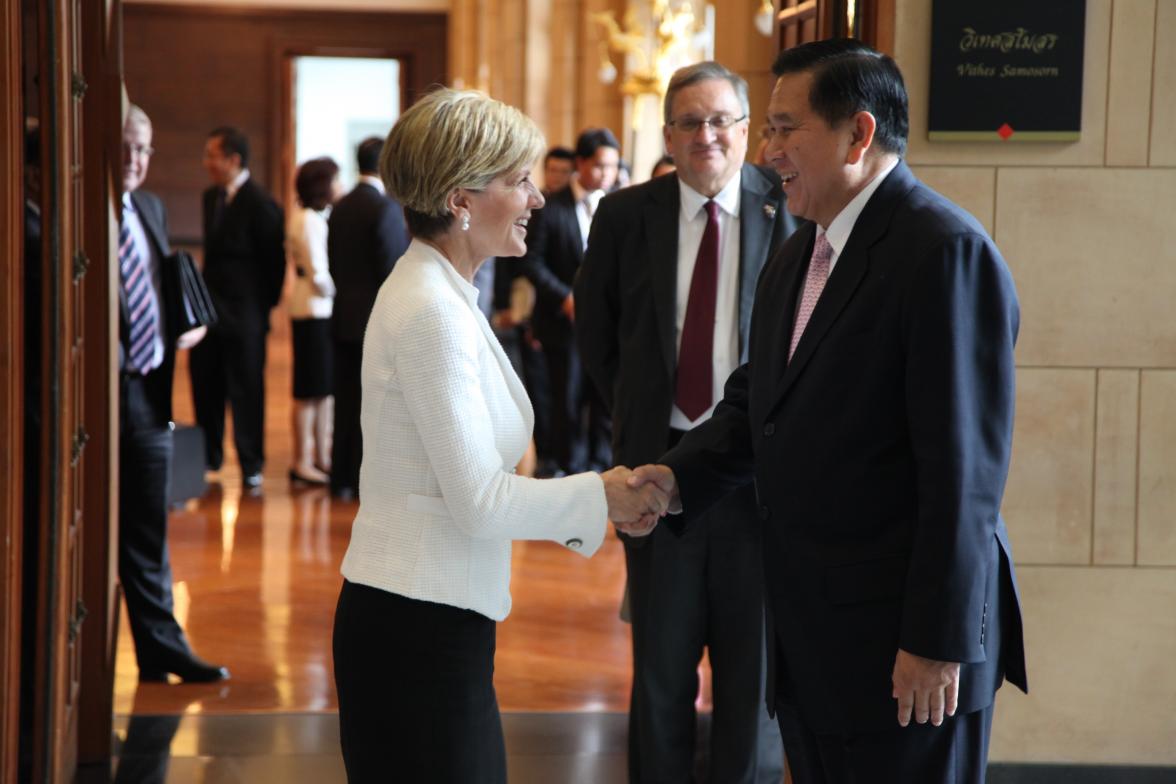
{"x":814,"y":284}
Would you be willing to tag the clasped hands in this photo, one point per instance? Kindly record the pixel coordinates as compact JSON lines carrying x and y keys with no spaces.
{"x":638,"y":498}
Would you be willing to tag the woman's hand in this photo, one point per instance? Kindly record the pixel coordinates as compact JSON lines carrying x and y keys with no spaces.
{"x":633,"y":510}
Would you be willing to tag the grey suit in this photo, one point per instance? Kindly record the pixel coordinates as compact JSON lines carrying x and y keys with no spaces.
{"x":704,"y":588}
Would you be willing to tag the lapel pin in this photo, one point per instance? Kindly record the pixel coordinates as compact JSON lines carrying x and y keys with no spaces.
{"x":770,"y":211}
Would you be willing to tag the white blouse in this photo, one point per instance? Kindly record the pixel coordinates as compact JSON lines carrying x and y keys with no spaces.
{"x":445,"y":420}
{"x":313,"y":294}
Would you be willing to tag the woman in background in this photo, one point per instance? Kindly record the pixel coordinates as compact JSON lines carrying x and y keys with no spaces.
{"x":444,"y":421}
{"x":311,"y":300}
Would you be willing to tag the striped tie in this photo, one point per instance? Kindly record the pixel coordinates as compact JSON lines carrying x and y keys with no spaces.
{"x":141,"y":304}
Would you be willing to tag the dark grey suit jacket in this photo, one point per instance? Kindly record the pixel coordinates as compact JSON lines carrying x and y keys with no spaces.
{"x":879,"y":456}
{"x":626,"y":296}
{"x":159,"y":381}
{"x":367,"y":234}
{"x":555,"y":249}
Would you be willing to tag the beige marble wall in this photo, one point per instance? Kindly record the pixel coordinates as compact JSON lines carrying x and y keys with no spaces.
{"x":1089,"y":232}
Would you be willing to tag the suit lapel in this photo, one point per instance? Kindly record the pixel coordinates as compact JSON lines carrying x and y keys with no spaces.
{"x":154,"y":230}
{"x":661,"y":221}
{"x":852,"y":265}
{"x":755,"y":234}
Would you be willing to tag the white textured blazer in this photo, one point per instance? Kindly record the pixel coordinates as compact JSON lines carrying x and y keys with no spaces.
{"x":445,"y":420}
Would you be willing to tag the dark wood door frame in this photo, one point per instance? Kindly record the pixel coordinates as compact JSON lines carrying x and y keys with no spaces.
{"x":283,"y":132}
{"x":12,"y":310}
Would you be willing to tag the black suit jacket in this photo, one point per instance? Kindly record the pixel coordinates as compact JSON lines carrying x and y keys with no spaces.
{"x":879,"y":456}
{"x":555,"y":249}
{"x":366,"y":236}
{"x":158,"y":382}
{"x":244,"y":258}
{"x":627,"y":291}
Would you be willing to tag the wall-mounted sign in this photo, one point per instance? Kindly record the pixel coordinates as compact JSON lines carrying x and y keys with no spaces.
{"x":1006,"y":70}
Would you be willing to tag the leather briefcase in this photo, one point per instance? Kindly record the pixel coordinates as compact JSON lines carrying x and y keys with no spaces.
{"x":189,"y":305}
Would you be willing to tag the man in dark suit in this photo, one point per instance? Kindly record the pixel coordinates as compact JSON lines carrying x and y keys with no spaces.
{"x":875,"y":417}
{"x":147,"y":346}
{"x":367,"y":235}
{"x":244,"y":266}
{"x":663,"y":306}
{"x":556,"y":238}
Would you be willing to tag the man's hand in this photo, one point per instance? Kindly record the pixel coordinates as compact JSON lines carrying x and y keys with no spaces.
{"x":569,"y":308}
{"x":633,"y":510}
{"x":663,"y":478}
{"x":929,"y":688}
{"x":191,"y":337}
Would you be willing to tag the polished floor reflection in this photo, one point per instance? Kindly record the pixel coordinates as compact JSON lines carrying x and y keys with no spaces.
{"x":542,"y":748}
{"x":257,"y":576}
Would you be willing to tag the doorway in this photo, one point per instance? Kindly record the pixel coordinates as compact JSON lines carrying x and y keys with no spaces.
{"x":339,"y":102}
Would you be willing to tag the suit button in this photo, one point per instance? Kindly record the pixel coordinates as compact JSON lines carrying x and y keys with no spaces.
{"x":769,"y":429}
{"x":764,"y":512}
{"x":574,"y":544}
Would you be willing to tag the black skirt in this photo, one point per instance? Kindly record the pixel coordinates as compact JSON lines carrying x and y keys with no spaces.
{"x":415,"y":682}
{"x":313,"y":358}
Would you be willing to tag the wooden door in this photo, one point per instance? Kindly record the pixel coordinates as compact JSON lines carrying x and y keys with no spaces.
{"x":52,"y":600}
{"x":12,"y":207}
{"x":871,"y":21}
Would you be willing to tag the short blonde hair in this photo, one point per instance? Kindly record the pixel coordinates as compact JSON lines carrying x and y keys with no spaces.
{"x":453,"y":139}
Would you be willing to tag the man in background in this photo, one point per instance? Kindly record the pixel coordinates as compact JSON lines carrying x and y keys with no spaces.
{"x":244,"y":267}
{"x":146,"y":355}
{"x":663,"y":312}
{"x":558,"y":167}
{"x":556,"y":238}
{"x":366,"y":236}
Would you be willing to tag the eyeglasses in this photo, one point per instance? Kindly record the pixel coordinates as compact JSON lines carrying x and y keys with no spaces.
{"x":138,"y":149}
{"x":720,"y":122}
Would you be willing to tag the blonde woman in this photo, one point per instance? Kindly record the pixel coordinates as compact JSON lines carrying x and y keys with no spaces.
{"x":444,"y":421}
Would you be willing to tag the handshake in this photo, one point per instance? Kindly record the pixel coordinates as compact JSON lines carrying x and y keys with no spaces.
{"x":638,"y":498}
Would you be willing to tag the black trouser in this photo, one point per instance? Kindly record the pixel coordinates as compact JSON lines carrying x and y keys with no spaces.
{"x":230,"y":365}
{"x":581,"y":429}
{"x":956,"y":752}
{"x":145,"y":455}
{"x":347,"y":446}
{"x":701,"y":589}
{"x":415,"y":682}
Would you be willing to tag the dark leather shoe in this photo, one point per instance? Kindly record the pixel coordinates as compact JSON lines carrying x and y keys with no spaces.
{"x":191,"y":669}
{"x":252,"y":480}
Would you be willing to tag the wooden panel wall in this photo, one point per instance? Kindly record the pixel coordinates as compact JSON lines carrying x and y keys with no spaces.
{"x":193,"y":68}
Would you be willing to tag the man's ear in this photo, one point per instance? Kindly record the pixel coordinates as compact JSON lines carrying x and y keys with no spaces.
{"x":862,"y":125}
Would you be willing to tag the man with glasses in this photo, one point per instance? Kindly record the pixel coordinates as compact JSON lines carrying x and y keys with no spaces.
{"x":147,"y":344}
{"x":663,"y":310}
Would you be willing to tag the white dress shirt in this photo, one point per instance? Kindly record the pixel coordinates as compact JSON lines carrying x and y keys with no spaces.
{"x":841,"y":227}
{"x":692,"y":220}
{"x":373,"y":181}
{"x":586,"y":203}
{"x":234,"y":186}
{"x":445,"y":420}
{"x":147,"y":253}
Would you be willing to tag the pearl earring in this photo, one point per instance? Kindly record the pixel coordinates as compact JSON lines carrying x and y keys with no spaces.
{"x":465,"y":222}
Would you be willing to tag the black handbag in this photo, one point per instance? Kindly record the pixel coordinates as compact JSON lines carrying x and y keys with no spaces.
{"x":189,"y":305}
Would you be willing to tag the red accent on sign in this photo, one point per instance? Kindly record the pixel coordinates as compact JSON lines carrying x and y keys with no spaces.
{"x":1005,"y":131}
